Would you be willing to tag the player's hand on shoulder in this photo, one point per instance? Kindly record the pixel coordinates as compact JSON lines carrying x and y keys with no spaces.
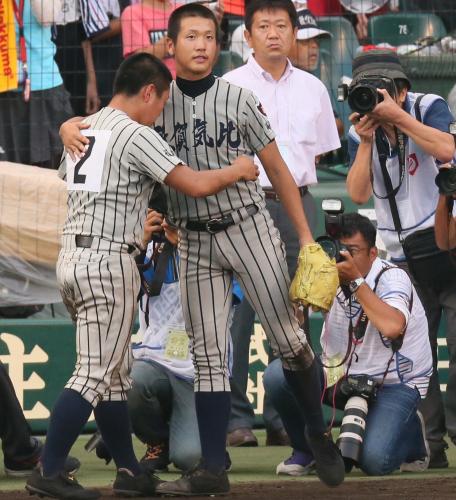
{"x":248,"y":171}
{"x":73,"y":141}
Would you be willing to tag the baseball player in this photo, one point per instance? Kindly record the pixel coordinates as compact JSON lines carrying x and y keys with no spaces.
{"x":209,"y":122}
{"x":108,"y":197}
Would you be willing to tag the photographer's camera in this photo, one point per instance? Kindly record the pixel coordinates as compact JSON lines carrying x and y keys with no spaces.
{"x":363,"y":95}
{"x":333,"y":209}
{"x":360,"y":390}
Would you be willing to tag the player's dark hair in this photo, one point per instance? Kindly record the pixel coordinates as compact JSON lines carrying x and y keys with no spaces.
{"x":191,"y":10}
{"x":353,"y":223}
{"x":139,"y":70}
{"x":257,"y":5}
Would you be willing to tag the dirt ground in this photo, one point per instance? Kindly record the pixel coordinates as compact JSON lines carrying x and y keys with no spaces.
{"x":430,"y":488}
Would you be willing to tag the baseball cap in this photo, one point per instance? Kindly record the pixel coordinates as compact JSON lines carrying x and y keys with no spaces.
{"x":308,"y":27}
{"x":379,"y":62}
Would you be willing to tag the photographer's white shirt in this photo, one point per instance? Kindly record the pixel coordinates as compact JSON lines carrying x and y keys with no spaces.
{"x":418,"y":195}
{"x":412,"y":364}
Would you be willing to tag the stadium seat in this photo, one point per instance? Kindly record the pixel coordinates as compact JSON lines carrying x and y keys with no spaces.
{"x":405,"y":28}
{"x":226,"y":62}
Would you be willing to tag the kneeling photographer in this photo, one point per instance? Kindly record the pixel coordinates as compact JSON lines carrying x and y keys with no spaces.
{"x":378,"y":364}
{"x":396,"y":143}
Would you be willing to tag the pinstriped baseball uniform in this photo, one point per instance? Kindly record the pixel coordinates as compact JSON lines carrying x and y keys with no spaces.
{"x":100,"y":284}
{"x":209,"y":132}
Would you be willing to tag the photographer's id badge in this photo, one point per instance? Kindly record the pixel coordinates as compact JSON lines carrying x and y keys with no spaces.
{"x":333,"y":372}
{"x":177,"y":345}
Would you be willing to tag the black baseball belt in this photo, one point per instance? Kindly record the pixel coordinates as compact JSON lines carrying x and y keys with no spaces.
{"x":219,"y":224}
{"x":270,"y":194}
{"x":83,"y":241}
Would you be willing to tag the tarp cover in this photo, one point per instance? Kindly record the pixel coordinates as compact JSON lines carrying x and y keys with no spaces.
{"x":33,"y":204}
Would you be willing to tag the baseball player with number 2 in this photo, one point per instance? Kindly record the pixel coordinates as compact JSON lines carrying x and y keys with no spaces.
{"x":108,"y":194}
{"x":210,"y":122}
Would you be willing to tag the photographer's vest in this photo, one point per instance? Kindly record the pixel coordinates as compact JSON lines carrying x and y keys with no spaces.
{"x":418,"y":195}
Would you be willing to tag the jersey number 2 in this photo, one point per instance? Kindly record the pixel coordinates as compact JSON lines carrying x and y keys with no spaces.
{"x":81,"y":178}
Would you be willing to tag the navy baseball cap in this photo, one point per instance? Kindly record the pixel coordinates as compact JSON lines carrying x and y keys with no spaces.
{"x":308,"y":27}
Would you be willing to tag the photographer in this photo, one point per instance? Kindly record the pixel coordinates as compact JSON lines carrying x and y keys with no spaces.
{"x":394,"y":151}
{"x":389,"y":346}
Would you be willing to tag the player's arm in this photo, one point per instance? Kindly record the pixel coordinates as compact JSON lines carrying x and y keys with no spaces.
{"x":284,"y":185}
{"x":205,"y":183}
{"x":70,"y":133}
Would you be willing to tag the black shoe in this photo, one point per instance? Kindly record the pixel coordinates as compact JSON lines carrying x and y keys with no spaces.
{"x":329,"y":463}
{"x":438,"y":460}
{"x":61,"y":486}
{"x":197,"y":482}
{"x":24,"y":467}
{"x":128,"y":485}
{"x":156,"y":458}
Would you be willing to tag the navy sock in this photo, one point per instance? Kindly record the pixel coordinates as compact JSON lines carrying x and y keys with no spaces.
{"x":70,"y":413}
{"x":114,"y":424}
{"x":306,"y":387}
{"x":213,"y":412}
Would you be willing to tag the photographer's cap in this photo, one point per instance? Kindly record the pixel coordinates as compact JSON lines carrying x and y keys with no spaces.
{"x":379,"y":62}
{"x":308,"y":27}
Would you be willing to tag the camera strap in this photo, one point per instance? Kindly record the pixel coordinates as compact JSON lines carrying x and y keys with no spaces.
{"x":382,"y":149}
{"x":359,"y":330}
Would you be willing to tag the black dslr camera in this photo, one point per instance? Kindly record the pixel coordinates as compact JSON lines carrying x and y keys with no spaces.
{"x":359,"y":385}
{"x":446,"y":180}
{"x":362,"y":93}
{"x":333,"y":209}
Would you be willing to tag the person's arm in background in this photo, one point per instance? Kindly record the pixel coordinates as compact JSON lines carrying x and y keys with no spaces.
{"x":46,"y":12}
{"x":445,"y":224}
{"x":92,"y":104}
{"x":114,"y":30}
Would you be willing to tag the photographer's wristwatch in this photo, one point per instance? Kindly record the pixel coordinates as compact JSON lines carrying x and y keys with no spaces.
{"x":355,"y":284}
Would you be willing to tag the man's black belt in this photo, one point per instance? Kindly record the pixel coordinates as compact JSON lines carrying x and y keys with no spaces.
{"x":83,"y":241}
{"x":270,"y":194}
{"x":216,"y":225}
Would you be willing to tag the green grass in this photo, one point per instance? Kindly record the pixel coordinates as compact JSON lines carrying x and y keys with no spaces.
{"x":249,"y":464}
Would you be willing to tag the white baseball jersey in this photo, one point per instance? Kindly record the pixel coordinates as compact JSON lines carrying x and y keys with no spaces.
{"x":109,"y":188}
{"x":412,"y":364}
{"x":209,"y":132}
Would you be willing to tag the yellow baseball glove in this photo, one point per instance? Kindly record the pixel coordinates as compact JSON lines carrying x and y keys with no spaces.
{"x":316,"y":280}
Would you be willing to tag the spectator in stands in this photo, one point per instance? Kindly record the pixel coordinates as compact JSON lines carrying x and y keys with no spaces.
{"x":107,"y":50}
{"x":299,"y":109}
{"x":32,"y":111}
{"x":391,"y":349}
{"x":421,"y":124}
{"x":305,"y":53}
{"x":144,"y":28}
{"x":21,"y":451}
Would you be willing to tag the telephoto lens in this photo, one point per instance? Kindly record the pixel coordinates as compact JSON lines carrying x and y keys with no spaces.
{"x":446,"y":181}
{"x":350,"y":440}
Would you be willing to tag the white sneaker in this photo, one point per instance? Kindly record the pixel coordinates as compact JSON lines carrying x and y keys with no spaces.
{"x":296,"y":465}
{"x":423,"y":463}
